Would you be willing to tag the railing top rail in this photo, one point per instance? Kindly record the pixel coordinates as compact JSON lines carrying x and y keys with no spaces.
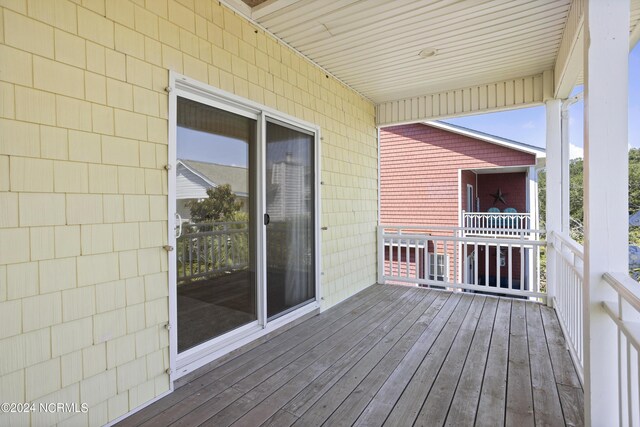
{"x":209,"y":224}
{"x":489,"y":240}
{"x":496,"y":213}
{"x":625,"y":286}
{"x":453,"y":229}
{"x":214,"y":233}
{"x":568,"y":241}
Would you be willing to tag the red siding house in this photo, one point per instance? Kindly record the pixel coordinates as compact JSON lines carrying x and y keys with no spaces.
{"x":435,"y":174}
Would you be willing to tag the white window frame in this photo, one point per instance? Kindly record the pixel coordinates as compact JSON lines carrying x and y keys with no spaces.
{"x":186,"y":87}
{"x":433,"y":275}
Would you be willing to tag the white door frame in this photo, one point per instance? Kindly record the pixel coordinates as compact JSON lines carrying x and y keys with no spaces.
{"x":189,"y":360}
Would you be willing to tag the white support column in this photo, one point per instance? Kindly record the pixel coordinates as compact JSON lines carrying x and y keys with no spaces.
{"x":564,"y":191}
{"x":554,"y":189}
{"x":606,"y":197}
{"x":532,"y":208}
{"x":566,"y":160}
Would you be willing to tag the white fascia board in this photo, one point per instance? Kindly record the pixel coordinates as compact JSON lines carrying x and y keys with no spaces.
{"x":538,"y":152}
{"x":239,"y":6}
{"x":270,"y":6}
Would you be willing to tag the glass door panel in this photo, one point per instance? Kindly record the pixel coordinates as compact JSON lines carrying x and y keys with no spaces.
{"x":289,"y":183}
{"x":215,"y":231}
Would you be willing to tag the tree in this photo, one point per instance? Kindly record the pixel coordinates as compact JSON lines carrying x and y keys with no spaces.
{"x":221,"y":205}
{"x":576,"y":193}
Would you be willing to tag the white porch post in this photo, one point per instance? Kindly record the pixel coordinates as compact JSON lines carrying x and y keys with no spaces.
{"x":606,"y":196}
{"x":554,"y":189}
{"x":564,"y":149}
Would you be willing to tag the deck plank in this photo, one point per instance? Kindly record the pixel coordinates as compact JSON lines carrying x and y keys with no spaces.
{"x":273,"y":375}
{"x":462,"y":411}
{"x":394,"y":354}
{"x":218,"y":380}
{"x":408,"y":406}
{"x":279,"y":419}
{"x":572,"y":402}
{"x":332,"y":391}
{"x":569,"y":386}
{"x":546,"y":400}
{"x":494,"y":385}
{"x":519,"y":407}
{"x":436,"y":406}
{"x":384,"y":401}
{"x":209,"y":374}
{"x":353,"y":392}
{"x":563,"y":369}
{"x":396,"y":324}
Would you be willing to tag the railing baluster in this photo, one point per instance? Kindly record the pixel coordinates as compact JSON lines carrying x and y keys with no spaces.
{"x":445,"y":251}
{"x":455,"y":263}
{"x":391,"y":256}
{"x":510,"y":273}
{"x":498,"y":266}
{"x":486,"y":265}
{"x":406,"y":258}
{"x":465,"y":264}
{"x":629,"y":385}
{"x":416,"y":257}
{"x":475,"y":264}
{"x":523,"y":279}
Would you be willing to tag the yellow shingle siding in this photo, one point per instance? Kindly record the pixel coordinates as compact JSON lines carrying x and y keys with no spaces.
{"x":83,"y":189}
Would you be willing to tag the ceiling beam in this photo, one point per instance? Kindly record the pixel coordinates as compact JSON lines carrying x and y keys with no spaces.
{"x":569,"y":59}
{"x":504,"y":95}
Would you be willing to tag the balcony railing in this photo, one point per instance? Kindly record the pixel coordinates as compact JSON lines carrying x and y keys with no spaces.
{"x":567,"y":280}
{"x":624,"y":312}
{"x":448,"y":257}
{"x":498,"y":223}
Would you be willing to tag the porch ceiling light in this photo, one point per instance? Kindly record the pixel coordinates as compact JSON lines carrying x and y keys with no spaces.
{"x":427,"y":52}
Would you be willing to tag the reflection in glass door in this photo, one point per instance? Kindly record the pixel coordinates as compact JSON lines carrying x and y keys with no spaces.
{"x":215,"y":235}
{"x":289,"y":217}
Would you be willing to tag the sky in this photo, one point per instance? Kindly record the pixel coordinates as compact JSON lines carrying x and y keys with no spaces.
{"x":528,"y":124}
{"x":206,"y":147}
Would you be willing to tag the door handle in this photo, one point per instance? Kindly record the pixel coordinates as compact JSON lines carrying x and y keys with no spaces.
{"x":267,"y":219}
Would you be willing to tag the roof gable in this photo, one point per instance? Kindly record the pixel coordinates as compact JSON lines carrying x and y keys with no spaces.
{"x":492,"y":139}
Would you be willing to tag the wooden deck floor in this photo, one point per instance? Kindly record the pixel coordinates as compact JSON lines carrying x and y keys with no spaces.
{"x":395,"y":356}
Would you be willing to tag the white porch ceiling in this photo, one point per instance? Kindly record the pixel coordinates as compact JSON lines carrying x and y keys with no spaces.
{"x":373,"y":45}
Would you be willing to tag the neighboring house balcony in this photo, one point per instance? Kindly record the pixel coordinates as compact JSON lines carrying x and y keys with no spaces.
{"x":496,"y":223}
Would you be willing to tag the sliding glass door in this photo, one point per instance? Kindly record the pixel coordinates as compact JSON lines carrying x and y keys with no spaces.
{"x":215,"y":211}
{"x":289,"y":218}
{"x":242,"y":220}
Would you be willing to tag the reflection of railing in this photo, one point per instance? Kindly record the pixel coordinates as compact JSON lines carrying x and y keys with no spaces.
{"x":210,"y":248}
{"x":447,"y":257}
{"x":624,"y":311}
{"x":567,"y":282}
{"x":498,"y":223}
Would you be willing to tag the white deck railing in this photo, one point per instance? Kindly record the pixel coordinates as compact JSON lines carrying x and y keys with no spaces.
{"x":409,"y":254}
{"x":499,"y":223}
{"x":567,"y":282}
{"x":625,"y":313}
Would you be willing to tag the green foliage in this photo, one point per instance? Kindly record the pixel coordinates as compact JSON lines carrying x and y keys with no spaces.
{"x":221,"y":205}
{"x":576,"y":195}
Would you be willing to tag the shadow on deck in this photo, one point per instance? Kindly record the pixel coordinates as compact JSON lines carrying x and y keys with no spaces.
{"x":391,"y":355}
